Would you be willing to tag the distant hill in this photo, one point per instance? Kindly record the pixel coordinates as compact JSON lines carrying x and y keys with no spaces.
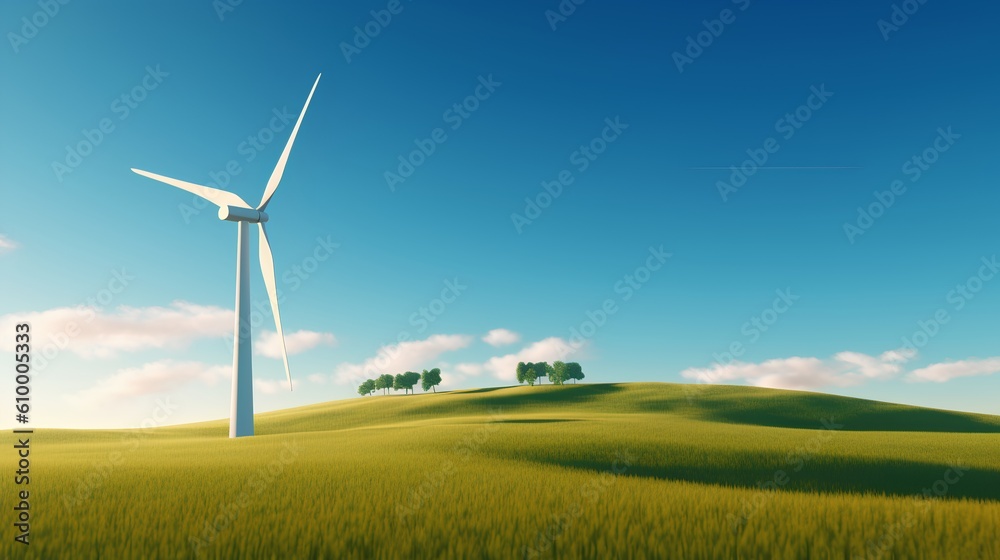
{"x":715,"y":403}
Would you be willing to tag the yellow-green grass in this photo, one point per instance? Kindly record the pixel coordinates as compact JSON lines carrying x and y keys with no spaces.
{"x":591,"y":471}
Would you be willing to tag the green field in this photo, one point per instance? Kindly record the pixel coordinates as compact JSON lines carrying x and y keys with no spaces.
{"x":643,"y":470}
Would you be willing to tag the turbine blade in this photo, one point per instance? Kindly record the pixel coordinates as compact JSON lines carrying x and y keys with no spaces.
{"x":267,"y":269}
{"x":215,"y":196}
{"x":279,"y":170}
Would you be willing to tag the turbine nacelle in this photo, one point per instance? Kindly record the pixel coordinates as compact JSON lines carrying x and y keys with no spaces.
{"x":241,"y":214}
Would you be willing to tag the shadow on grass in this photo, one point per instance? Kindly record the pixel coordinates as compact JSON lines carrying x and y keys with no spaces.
{"x":710,"y":403}
{"x":799,"y":409}
{"x":550,"y":395}
{"x":802,"y":411}
{"x":898,"y":478}
{"x":745,"y":405}
{"x":535,"y":420}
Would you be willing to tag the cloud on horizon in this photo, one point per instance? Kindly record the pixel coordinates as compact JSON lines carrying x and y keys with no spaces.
{"x":501,"y":337}
{"x":272,"y":386}
{"x":268,"y":344}
{"x":7,"y":244}
{"x":946,"y":371}
{"x":411,"y":355}
{"x":153,"y":378}
{"x":92,"y":332}
{"x":504,"y":367}
{"x":844,"y":369}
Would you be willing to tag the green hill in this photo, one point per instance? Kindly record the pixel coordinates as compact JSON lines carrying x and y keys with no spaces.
{"x":644,"y":470}
{"x":712,"y":403}
{"x":730,"y":404}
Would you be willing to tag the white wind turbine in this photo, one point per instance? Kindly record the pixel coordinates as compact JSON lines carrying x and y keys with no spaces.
{"x":235,"y":209}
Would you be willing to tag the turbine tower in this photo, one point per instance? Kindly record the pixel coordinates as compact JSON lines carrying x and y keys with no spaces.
{"x":234,"y":209}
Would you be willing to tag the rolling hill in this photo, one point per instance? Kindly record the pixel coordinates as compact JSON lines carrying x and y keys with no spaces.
{"x":643,"y":470}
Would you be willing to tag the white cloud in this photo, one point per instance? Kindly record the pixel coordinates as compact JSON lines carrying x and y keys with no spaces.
{"x":151,"y":378}
{"x":92,"y":332}
{"x":901,"y":355}
{"x":7,"y":244}
{"x":843,"y":370}
{"x":412,"y":355}
{"x":269,"y":387}
{"x":269,"y":345}
{"x":317,"y":378}
{"x":454,"y":374}
{"x":950,"y":370}
{"x":504,"y":367}
{"x":467,"y":369}
{"x":501,"y":337}
{"x":889,"y":364}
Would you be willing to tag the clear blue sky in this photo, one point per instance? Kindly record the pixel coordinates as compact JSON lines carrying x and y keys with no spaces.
{"x":219,"y":80}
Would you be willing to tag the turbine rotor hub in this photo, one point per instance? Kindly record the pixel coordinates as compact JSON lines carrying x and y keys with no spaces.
{"x":238,"y":214}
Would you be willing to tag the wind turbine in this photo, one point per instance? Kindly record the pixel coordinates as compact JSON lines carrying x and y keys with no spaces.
{"x":234,"y":209}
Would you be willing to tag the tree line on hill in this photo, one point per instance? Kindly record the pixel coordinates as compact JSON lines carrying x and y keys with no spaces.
{"x":527,"y":372}
{"x":405,"y":381}
{"x":558,"y":373}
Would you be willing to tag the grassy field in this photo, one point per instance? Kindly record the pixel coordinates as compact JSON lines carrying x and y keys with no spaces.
{"x":638,"y":470}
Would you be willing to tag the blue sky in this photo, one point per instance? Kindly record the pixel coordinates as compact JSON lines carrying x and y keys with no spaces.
{"x":639,"y":121}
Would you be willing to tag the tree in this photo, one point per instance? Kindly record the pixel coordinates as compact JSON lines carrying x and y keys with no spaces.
{"x":574,"y":371}
{"x":428,"y":379}
{"x":384,"y":382}
{"x":405,"y":381}
{"x":542,"y":370}
{"x":367,"y":388}
{"x":380,"y":383}
{"x":558,"y":375}
{"x":530,"y":374}
{"x":522,"y":371}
